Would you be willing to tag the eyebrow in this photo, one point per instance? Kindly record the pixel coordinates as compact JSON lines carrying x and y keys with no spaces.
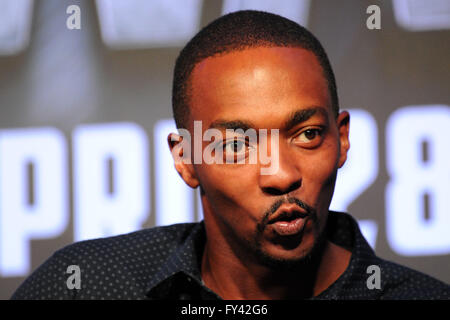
{"x":294,"y":119}
{"x":233,"y":125}
{"x":303,"y":115}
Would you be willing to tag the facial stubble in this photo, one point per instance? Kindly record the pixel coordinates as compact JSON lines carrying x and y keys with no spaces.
{"x":309,"y":258}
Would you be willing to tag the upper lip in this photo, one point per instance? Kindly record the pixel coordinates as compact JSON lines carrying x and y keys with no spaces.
{"x":288,"y":212}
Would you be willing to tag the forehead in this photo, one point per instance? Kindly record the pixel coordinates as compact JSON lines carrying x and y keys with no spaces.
{"x":264,"y":85}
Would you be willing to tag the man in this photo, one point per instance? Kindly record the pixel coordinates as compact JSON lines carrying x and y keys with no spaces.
{"x":265,"y":235}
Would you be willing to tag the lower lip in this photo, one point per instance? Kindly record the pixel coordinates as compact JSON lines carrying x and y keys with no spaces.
{"x":289,"y":228}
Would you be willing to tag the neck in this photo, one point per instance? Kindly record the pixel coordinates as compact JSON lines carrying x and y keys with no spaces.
{"x":232,"y":278}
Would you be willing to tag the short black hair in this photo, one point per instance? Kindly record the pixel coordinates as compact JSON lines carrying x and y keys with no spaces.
{"x":237,"y":31}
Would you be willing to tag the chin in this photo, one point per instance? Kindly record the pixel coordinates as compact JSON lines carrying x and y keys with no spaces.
{"x":289,"y":253}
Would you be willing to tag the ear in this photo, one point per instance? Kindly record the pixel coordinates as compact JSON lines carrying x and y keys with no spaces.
{"x":183,"y":163}
{"x":343,"y":124}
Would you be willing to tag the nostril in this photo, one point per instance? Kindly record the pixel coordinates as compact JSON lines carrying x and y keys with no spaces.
{"x":273,"y":191}
{"x":281,"y":191}
{"x":296,"y":185}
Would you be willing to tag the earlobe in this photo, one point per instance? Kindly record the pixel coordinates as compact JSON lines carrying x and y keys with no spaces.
{"x":343,"y":123}
{"x":182,"y":163}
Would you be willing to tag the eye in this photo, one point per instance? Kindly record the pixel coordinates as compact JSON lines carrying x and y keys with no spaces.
{"x":310,"y":137}
{"x":310,"y":134}
{"x":235,"y":147}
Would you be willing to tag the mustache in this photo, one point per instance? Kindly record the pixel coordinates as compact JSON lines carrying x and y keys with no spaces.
{"x":277,"y":204}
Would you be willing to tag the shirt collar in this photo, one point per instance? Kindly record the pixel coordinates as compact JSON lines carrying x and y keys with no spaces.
{"x":344,"y":231}
{"x":184,"y":263}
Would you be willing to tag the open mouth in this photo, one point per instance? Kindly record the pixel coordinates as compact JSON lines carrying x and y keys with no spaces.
{"x":289,"y":227}
{"x":288,"y":221}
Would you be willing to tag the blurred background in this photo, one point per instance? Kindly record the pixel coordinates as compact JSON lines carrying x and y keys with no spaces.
{"x":85,"y":108}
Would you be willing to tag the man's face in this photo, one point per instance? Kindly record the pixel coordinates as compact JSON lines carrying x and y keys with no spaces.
{"x":281,"y":216}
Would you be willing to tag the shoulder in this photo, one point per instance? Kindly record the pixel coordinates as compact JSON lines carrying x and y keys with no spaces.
{"x":124,"y":247}
{"x":401,"y":282}
{"x":123,"y":262}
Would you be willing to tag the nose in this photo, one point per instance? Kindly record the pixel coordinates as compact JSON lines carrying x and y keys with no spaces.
{"x":286,"y":179}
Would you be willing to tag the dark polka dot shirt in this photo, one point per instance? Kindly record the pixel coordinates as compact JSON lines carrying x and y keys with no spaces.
{"x":164,"y":263}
